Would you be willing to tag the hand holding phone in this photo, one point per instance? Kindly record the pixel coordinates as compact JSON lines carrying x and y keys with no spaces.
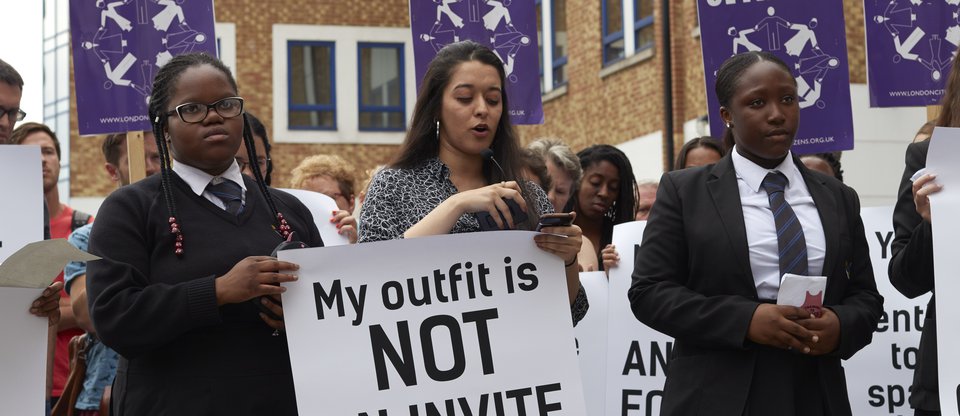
{"x":556,"y":219}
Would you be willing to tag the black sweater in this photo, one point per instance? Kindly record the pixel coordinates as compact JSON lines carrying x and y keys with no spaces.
{"x":181,"y":353}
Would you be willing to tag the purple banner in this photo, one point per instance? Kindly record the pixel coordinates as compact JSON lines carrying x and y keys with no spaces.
{"x":508,"y":27}
{"x":118,"y":47}
{"x":810,"y":37}
{"x":910,"y":45}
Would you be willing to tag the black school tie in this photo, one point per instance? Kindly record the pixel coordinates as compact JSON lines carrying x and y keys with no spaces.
{"x":230,"y":193}
{"x":792,"y":245}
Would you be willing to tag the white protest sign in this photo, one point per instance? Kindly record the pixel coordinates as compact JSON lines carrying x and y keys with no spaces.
{"x":322,"y":208}
{"x":879,"y":376}
{"x":21,"y":208}
{"x":591,"y":334}
{"x":637,"y":355}
{"x":23,"y":356}
{"x":942,"y":160}
{"x":23,"y":353}
{"x":466,"y":324}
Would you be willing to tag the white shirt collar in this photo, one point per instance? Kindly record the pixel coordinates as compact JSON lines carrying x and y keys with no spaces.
{"x":753,"y":174}
{"x":198,"y":179}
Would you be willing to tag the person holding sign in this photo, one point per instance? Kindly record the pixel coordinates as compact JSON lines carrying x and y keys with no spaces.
{"x":715,"y":248}
{"x":911,"y":266}
{"x":606,"y":196}
{"x":445,"y":178}
{"x":184,"y":254}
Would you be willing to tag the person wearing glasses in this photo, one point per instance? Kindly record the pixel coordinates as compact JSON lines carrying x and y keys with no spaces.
{"x":186,"y":291}
{"x":262,"y":143}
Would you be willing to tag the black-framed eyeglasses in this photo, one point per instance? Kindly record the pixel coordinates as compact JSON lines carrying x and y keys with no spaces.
{"x":262,"y":161}
{"x":15,"y":114}
{"x":229,"y":107}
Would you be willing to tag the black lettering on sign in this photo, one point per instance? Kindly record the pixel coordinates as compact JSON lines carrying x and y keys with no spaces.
{"x":381,"y":345}
{"x":625,"y":405}
{"x":403,"y":362}
{"x":529,"y":280}
{"x":658,"y":358}
{"x":884,"y":243}
{"x":893,"y":396}
{"x":542,"y":404}
{"x":456,"y":342}
{"x":519,"y":395}
{"x":326,"y":299}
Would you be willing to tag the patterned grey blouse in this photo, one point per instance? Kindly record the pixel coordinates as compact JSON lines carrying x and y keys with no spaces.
{"x":399,"y":198}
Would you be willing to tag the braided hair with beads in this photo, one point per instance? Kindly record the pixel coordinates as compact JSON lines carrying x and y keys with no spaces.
{"x":163,"y":87}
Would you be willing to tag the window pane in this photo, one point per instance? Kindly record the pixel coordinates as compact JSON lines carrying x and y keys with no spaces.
{"x":311,"y":74}
{"x":63,"y":15}
{"x":645,"y":37}
{"x":63,"y":72}
{"x":642,"y":8}
{"x":613,"y":50}
{"x":381,"y":120}
{"x":614,"y":16}
{"x":311,"y":119}
{"x":559,"y":75}
{"x":559,"y":29}
{"x":49,"y":78}
{"x":380,"y":83}
{"x":49,"y":18}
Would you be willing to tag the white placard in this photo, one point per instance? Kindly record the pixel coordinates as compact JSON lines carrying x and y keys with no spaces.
{"x":23,"y":353}
{"x":21,"y":207}
{"x":321,"y":207}
{"x":637,"y":355}
{"x":494,"y":330}
{"x":879,"y":376}
{"x":942,"y":160}
{"x":591,"y":334}
{"x":23,"y":357}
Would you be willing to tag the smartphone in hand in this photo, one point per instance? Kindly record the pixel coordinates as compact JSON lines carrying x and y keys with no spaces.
{"x":556,"y":219}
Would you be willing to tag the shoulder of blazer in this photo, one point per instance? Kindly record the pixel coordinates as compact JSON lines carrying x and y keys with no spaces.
{"x":701,"y":174}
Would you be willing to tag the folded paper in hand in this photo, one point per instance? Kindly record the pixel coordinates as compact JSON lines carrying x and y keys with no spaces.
{"x":38,"y":263}
{"x":806,"y":292}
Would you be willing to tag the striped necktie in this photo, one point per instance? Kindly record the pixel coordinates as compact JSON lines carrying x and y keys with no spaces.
{"x":230,"y":193}
{"x":790,"y":241}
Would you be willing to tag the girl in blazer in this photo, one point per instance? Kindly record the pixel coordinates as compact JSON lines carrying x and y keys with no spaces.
{"x":709,"y":267}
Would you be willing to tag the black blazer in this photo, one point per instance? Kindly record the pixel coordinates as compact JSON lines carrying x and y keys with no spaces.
{"x":911,"y":272}
{"x":693,"y":281}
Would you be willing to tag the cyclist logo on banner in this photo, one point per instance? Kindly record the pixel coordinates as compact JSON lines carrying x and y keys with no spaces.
{"x":507,"y":27}
{"x":810,"y":37}
{"x":120,"y":44}
{"x":910,"y":44}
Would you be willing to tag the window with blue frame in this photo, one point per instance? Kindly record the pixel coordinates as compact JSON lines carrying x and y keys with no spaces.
{"x":311,"y":95}
{"x":643,"y":24}
{"x":612,"y":25}
{"x":382,"y":102}
{"x":559,"y":23}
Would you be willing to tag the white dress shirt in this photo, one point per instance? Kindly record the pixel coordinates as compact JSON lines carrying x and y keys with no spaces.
{"x":760,"y":226}
{"x":198,"y":181}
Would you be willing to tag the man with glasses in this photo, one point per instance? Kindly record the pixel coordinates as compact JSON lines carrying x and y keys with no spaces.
{"x":11,"y":90}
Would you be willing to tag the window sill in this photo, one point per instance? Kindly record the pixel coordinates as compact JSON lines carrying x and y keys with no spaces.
{"x":627,"y":62}
{"x":554,"y":94}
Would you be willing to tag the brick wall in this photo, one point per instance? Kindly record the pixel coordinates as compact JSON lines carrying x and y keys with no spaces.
{"x":619,"y":107}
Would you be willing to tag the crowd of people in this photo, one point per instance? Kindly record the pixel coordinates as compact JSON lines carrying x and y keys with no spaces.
{"x":187,"y":288}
